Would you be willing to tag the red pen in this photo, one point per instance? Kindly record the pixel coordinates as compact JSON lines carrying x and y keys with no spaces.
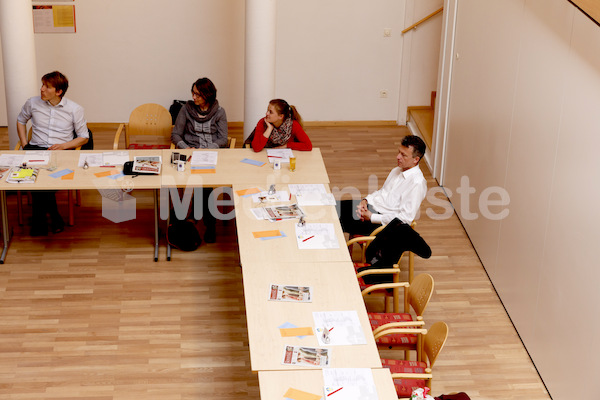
{"x":331,"y":329}
{"x":107,"y":166}
{"x":274,"y":156}
{"x":335,"y":391}
{"x":36,"y":160}
{"x":310,"y":237}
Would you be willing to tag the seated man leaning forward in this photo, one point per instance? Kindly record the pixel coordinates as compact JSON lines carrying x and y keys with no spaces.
{"x":57,"y":124}
{"x":399,"y":197}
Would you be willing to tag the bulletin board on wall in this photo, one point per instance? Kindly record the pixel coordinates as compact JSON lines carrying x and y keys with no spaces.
{"x":590,"y":7}
{"x":54,"y":18}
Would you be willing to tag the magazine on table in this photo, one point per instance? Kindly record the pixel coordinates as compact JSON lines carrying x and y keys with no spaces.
{"x":146,"y":164}
{"x":3,"y":171}
{"x":300,"y":294}
{"x":22,"y":175}
{"x":305,"y":356}
{"x":275,"y":213}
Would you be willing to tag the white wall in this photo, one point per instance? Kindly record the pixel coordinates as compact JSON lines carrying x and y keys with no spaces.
{"x":524,"y":104}
{"x":332,"y":58}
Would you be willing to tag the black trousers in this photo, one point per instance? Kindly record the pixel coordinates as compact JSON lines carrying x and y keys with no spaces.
{"x":43,"y":202}
{"x":350,"y":222}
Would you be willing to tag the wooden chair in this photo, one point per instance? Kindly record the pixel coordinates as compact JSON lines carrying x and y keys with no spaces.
{"x":151,"y":123}
{"x":365,"y":241}
{"x":88,"y":146}
{"x":416,"y":298}
{"x":409,"y":375}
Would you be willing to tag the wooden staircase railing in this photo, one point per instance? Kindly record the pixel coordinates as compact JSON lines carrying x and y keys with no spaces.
{"x":413,"y":26}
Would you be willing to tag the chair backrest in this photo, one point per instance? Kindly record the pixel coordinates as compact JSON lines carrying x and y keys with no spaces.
{"x":434,"y":341}
{"x":149,"y":119}
{"x":419,"y":293}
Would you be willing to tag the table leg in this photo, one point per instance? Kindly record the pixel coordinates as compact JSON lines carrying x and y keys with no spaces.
{"x":156,"y":225}
{"x":5,"y":230}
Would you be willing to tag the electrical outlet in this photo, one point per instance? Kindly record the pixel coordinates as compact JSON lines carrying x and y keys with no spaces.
{"x":387,"y":32}
{"x":383,"y":94}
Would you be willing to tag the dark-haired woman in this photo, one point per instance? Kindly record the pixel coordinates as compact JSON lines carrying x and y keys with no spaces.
{"x":281,"y":127}
{"x":201,"y":122}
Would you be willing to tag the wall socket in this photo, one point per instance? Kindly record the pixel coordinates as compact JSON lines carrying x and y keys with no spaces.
{"x":383,"y":94}
{"x":387,"y":32}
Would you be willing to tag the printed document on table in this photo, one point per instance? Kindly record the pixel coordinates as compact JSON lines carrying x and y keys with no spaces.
{"x":93,"y":159}
{"x":37,"y":157}
{"x":204,"y":158}
{"x":115,"y":157}
{"x":305,"y":356}
{"x":282,"y":155}
{"x":280,"y":195}
{"x":313,"y":194}
{"x":299,"y":294}
{"x":316,"y":236}
{"x":349,"y":384}
{"x":11,"y":160}
{"x":338,"y":328}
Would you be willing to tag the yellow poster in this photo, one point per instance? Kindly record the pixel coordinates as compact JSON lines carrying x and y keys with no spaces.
{"x":54,"y":19}
{"x":64,"y":16}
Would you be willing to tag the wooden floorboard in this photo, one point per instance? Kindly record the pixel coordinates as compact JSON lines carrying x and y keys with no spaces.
{"x":86,"y":314}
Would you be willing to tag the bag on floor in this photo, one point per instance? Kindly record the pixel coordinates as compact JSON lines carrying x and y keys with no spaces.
{"x":454,"y":396}
{"x":183,"y":235}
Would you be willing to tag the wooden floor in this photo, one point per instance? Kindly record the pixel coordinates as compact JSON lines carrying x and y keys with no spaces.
{"x":86,"y":314}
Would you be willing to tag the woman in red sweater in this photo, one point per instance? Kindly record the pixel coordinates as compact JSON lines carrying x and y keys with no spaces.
{"x":281,"y":127}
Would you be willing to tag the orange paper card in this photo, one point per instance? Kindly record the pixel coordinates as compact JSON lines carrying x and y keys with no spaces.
{"x":68,"y":176}
{"x":204,"y":171}
{"x":246,"y":192}
{"x":262,"y":234}
{"x":106,"y":173}
{"x":296,"y":394}
{"x":287,"y":332}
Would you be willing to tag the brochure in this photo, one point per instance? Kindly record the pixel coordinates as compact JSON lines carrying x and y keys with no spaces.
{"x":305,"y":356}
{"x":301,"y":294}
{"x":338,"y":328}
{"x":22,"y":175}
{"x":3,"y":171}
{"x":146,"y":164}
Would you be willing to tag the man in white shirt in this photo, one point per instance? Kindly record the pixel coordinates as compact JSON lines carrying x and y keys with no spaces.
{"x":57,"y":124}
{"x":399,"y":197}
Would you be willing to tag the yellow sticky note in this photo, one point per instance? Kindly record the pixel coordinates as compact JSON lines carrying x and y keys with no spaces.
{"x":68,"y":176}
{"x":245,"y":192}
{"x":106,"y":173}
{"x":296,"y":394}
{"x":262,"y":234}
{"x":287,"y":332}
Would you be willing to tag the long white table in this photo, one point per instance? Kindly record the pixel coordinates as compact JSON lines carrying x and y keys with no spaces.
{"x":282,"y":249}
{"x":275,"y":384}
{"x":335,"y":289}
{"x":83,"y":179}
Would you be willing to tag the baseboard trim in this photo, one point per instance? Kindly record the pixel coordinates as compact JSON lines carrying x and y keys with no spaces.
{"x":240,"y":124}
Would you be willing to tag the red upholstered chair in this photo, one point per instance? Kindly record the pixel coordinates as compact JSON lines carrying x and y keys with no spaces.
{"x":410,"y":375}
{"x":416,"y":298}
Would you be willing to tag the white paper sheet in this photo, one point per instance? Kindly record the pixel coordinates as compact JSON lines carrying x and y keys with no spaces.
{"x":316,"y":236}
{"x":349,"y":384}
{"x":338,"y":328}
{"x":204,"y":158}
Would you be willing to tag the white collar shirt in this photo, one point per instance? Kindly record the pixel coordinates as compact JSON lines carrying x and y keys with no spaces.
{"x":399,"y":197}
{"x":53,"y":124}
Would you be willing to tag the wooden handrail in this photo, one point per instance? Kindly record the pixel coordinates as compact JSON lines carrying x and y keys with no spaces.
{"x":413,"y":26}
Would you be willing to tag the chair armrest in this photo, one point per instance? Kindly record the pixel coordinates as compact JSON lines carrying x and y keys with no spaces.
{"x":359,"y":240}
{"x":408,"y":375}
{"x":405,"y":324}
{"x":391,"y":331}
{"x":381,"y":286}
{"x":118,"y":136}
{"x":18,"y":146}
{"x":172,"y":146}
{"x":380,"y":271}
